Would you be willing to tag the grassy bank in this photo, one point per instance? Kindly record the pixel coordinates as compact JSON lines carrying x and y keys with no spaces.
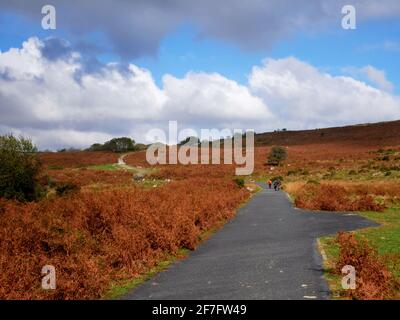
{"x":385,"y":239}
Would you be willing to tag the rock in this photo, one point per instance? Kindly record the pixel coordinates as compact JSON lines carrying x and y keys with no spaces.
{"x":138,"y":177}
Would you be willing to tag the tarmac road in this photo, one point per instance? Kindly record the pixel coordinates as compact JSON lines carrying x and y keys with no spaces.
{"x":269,"y":251}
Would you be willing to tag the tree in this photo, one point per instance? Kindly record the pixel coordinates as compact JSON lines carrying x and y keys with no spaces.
{"x":120,"y":144}
{"x":96,"y":147}
{"x":123,"y":144}
{"x":19,"y":169}
{"x":277,"y":155}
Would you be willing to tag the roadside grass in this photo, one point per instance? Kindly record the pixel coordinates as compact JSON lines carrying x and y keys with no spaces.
{"x":120,"y":288}
{"x":385,"y":239}
{"x":331,"y":250}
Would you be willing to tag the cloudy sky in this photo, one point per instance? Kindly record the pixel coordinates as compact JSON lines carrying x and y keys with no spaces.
{"x":122,"y":68}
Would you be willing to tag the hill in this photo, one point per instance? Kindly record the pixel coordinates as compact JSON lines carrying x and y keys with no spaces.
{"x":376,"y":134}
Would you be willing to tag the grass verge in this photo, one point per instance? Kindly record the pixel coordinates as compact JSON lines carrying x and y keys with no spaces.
{"x":118,"y":289}
{"x":385,"y":239}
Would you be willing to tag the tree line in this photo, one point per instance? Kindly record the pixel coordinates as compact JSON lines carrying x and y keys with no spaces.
{"x":123,"y":144}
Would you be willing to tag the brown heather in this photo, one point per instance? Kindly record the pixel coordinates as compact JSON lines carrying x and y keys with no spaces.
{"x":373,"y":280}
{"x":94,"y":238}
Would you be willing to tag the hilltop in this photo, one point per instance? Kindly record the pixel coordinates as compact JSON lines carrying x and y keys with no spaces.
{"x":372,"y":134}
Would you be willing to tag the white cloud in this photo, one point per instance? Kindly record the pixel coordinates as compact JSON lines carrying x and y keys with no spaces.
{"x":303,"y":96}
{"x":59,"y":104}
{"x":378,"y":77}
{"x":58,"y":98}
{"x":212,"y":97}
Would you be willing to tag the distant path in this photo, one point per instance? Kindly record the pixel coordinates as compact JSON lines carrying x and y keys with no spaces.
{"x":121,"y":159}
{"x":122,"y":164}
{"x":139,"y":171}
{"x":267,"y":252}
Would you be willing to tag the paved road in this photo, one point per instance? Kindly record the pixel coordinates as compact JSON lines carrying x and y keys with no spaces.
{"x":267,"y":252}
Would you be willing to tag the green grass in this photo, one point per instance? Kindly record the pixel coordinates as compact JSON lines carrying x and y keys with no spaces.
{"x":142,"y":171}
{"x":116,"y":166}
{"x":147,"y":183}
{"x":105,"y":167}
{"x":331,"y":250}
{"x":120,"y":288}
{"x":385,"y":239}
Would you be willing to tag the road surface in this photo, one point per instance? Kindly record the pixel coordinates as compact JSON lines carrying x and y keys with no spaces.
{"x":268,"y":251}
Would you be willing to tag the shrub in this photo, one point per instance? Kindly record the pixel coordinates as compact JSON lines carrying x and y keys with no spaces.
{"x":96,"y":238}
{"x":277,"y":155}
{"x":280,"y":178}
{"x":66,"y":188}
{"x":373,"y":279}
{"x":19,"y":169}
{"x":239,"y":182}
{"x":335,"y":197}
{"x":123,"y":144}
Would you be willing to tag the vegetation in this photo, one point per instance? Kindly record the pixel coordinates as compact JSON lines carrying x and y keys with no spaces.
{"x":381,"y":244}
{"x":123,"y":144}
{"x":277,"y":155}
{"x":101,"y":229}
{"x":344,"y":196}
{"x":19,"y":169}
{"x":94,"y":238}
{"x":240,"y":182}
{"x":82,"y":159}
{"x":373,"y":279}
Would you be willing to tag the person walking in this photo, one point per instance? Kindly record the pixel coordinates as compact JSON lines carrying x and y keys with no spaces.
{"x":277,"y":184}
{"x":269,"y":183}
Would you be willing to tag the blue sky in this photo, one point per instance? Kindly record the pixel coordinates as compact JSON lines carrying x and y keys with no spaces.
{"x":182,"y":50}
{"x":252,"y":64}
{"x":333,"y":50}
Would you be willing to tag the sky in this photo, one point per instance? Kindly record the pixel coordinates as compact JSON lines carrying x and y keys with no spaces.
{"x":123,"y":68}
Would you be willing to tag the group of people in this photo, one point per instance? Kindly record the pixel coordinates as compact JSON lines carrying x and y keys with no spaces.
{"x":276,"y":183}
